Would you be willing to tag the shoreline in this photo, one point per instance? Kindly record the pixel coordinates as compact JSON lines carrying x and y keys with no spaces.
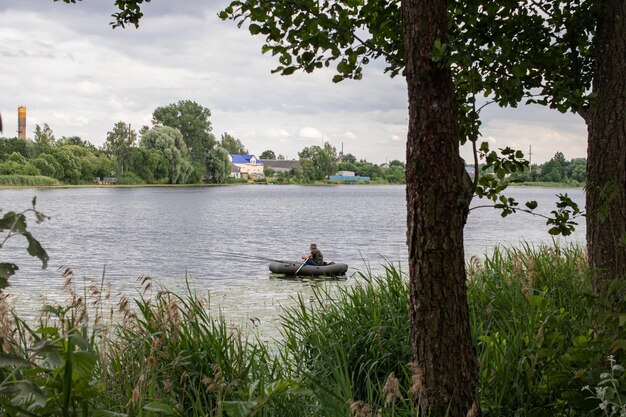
{"x":317,"y":183}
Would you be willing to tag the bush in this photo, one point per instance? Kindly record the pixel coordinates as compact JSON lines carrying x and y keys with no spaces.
{"x":28,"y":181}
{"x":129,"y":178}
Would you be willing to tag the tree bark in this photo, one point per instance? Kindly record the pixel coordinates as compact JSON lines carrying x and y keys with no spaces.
{"x":445,"y":368}
{"x":606,"y":152}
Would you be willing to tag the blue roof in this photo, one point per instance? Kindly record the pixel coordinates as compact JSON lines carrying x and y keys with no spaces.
{"x":241,"y":159}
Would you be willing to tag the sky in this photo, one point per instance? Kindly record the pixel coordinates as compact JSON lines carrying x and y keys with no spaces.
{"x":70,"y":70}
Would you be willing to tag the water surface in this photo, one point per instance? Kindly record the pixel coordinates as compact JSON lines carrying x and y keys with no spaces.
{"x":173,"y":233}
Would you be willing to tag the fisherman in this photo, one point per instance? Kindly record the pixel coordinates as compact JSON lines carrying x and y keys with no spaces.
{"x":314,"y":257}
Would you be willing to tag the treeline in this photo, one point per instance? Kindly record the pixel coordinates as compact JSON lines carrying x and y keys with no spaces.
{"x":317,"y":163}
{"x":179,"y":148}
{"x":557,"y":169}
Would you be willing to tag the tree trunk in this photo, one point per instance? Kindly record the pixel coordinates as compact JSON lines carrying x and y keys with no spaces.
{"x":445,"y":368}
{"x":606,"y":153}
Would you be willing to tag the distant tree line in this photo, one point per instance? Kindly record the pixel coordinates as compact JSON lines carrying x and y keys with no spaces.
{"x":178,"y":148}
{"x":317,"y":163}
{"x":557,"y":169}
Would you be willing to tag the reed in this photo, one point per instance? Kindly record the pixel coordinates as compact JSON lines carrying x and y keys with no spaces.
{"x":27,"y":181}
{"x":532,"y":312}
{"x":343,"y":352}
{"x":170,"y":355}
{"x":347,"y":343}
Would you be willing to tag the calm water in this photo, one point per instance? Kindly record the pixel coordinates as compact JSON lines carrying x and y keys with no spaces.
{"x":167,"y":233}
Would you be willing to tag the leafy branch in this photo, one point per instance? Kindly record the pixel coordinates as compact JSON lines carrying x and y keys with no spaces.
{"x":494,"y":181}
{"x":14,"y":224}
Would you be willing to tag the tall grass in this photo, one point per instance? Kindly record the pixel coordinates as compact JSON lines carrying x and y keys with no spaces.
{"x":346,"y":344}
{"x":28,"y":180}
{"x":171,"y":356}
{"x":532,"y":318}
{"x":540,"y":334}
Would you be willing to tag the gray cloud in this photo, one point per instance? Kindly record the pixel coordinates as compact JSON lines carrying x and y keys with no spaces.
{"x":72,"y":71}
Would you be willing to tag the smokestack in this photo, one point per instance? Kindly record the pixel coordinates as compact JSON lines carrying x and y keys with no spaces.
{"x":21,"y":122}
{"x":0,"y":123}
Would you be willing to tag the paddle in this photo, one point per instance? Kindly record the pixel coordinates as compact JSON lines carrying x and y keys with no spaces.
{"x":298,"y":270}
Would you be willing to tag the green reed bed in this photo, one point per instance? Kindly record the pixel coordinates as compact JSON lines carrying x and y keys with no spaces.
{"x":27,"y":181}
{"x":540,"y":335}
{"x":532,"y":317}
{"x":172,"y":356}
{"x":351,"y":345}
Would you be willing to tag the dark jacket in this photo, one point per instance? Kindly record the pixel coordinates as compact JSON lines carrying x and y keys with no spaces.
{"x":317,"y":257}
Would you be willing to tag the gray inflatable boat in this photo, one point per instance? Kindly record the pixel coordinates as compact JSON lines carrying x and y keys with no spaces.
{"x":333,"y":269}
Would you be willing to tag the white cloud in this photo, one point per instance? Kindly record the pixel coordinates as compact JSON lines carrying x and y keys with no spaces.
{"x":310,"y":133}
{"x":66,"y":65}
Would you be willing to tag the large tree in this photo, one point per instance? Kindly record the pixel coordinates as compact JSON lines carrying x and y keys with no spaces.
{"x":193,"y":121}
{"x":169,"y":142}
{"x":309,"y":34}
{"x":606,"y":155}
{"x":565,"y":54}
{"x":445,"y":368}
{"x":44,"y":135}
{"x":233,"y":145}
{"x":569,"y":55}
{"x":268,"y":154}
{"x":324,"y":159}
{"x":118,"y":144}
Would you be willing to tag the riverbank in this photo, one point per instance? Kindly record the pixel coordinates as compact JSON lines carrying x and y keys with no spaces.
{"x":56,"y":184}
{"x":547,"y":184}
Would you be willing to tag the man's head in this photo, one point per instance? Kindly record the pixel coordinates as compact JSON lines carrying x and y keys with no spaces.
{"x":313,"y":246}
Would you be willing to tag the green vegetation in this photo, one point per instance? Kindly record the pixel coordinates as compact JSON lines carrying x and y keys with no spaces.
{"x":546,"y":346}
{"x":170,"y":152}
{"x":162,"y":155}
{"x":557,"y":170}
{"x":28,"y":180}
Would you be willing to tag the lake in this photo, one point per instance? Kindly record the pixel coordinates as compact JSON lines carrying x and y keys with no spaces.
{"x":170,"y":233}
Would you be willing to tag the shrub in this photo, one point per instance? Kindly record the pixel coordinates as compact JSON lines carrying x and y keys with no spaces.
{"x":28,"y":180}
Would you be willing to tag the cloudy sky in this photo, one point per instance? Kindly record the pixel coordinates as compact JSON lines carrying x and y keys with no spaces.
{"x":71,"y":70}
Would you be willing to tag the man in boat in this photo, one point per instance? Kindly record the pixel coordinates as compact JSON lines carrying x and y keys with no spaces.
{"x":314,"y":257}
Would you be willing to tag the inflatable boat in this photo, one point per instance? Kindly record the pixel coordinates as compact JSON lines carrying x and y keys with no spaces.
{"x":289,"y":268}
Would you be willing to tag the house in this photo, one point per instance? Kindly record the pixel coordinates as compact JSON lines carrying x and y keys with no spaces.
{"x":235,"y":172}
{"x":245,"y":166}
{"x":281,"y":165}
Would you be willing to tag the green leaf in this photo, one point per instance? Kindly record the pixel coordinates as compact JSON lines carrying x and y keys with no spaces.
{"x":107,"y":413}
{"x":35,"y":249}
{"x":159,"y":407}
{"x":239,"y":408}
{"x":254,"y":29}
{"x":8,"y":220}
{"x":622,"y":319}
{"x":83,"y":365}
{"x":7,"y":269}
{"x":531,"y":205}
{"x":7,"y":359}
{"x":580,"y":341}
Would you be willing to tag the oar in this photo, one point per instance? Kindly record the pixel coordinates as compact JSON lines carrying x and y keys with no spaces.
{"x":298,"y":270}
